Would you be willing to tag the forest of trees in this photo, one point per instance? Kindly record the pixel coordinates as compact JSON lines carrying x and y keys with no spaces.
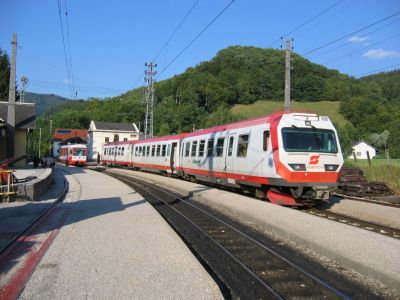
{"x":203,"y":95}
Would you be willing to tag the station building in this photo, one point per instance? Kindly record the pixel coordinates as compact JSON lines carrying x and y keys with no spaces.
{"x":25,"y":122}
{"x":62,"y":134}
{"x":101,"y":133}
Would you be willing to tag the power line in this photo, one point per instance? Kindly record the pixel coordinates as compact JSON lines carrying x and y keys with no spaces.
{"x":196,"y":37}
{"x":379,"y":70}
{"x":65,"y":52}
{"x":306,"y":22}
{"x":69,"y":50}
{"x":349,"y":34}
{"x":363,"y":48}
{"x":344,"y":44}
{"x":176,"y":29}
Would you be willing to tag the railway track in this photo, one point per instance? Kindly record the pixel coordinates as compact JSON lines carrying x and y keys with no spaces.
{"x":246,"y":267}
{"x":20,"y":236}
{"x":384,"y":230}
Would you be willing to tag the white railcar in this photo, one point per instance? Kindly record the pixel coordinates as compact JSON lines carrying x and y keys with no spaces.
{"x":288,"y":158}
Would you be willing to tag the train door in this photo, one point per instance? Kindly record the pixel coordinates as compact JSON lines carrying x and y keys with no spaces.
{"x":229,"y":155}
{"x":174,"y":157}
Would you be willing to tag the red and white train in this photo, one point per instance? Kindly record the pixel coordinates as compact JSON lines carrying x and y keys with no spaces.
{"x":73,"y":154}
{"x":287,"y":158}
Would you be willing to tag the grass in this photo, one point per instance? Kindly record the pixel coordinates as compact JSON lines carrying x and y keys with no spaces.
{"x":380,"y":171}
{"x":265,"y":107}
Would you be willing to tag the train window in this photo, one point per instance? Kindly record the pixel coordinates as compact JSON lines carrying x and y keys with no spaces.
{"x":105,"y":151}
{"x":168,"y":150}
{"x":187,"y":149}
{"x":158,"y":150}
{"x":119,"y":151}
{"x":265,"y":140}
{"x":210,"y":147}
{"x":148,"y":151}
{"x":243,"y":143}
{"x":153,"y":150}
{"x":220,"y":146}
{"x":107,"y":139}
{"x":163,"y":150}
{"x":122,"y":150}
{"x":201,"y":148}
{"x":194,"y":148}
{"x":230,"y":147}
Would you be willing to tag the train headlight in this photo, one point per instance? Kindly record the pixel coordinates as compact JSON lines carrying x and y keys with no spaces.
{"x":331,"y":168}
{"x":298,"y":167}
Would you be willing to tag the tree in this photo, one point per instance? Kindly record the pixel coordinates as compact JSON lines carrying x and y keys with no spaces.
{"x":4,"y":75}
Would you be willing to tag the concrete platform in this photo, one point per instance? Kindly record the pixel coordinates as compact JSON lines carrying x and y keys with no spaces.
{"x":31,"y":190}
{"x":114,"y":245}
{"x":368,"y":253}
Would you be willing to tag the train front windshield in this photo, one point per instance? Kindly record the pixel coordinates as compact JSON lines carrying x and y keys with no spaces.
{"x":79,"y":152}
{"x":309,"y":140}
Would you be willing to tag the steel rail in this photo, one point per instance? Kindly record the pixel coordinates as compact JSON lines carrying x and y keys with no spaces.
{"x":242,"y":234}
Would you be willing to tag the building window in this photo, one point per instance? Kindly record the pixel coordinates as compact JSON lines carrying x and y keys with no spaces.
{"x":125,"y":139}
{"x":116,"y":138}
{"x":358,"y":153}
{"x":220,"y":147}
{"x":107,"y":139}
{"x":243,"y":143}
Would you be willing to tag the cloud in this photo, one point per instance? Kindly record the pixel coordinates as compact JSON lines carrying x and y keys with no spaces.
{"x":380,"y":54}
{"x":358,"y":39}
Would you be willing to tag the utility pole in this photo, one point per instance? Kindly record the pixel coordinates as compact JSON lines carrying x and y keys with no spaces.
{"x":11,"y":101}
{"x":149,"y":99}
{"x":287,"y":74}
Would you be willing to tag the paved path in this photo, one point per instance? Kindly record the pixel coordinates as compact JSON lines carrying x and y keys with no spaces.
{"x":114,"y":245}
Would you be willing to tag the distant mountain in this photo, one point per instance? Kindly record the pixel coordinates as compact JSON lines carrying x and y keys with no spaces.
{"x":45,"y":102}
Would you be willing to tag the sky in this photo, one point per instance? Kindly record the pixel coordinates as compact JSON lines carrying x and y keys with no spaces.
{"x":108,"y":42}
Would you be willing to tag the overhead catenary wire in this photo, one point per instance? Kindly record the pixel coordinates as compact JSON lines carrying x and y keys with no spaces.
{"x":306,"y":22}
{"x":69,"y":50}
{"x":196,"y":37}
{"x":363,"y":48}
{"x":378,"y":70}
{"x":350,"y":34}
{"x":64,"y":47}
{"x":176,"y":29}
{"x":347,"y":42}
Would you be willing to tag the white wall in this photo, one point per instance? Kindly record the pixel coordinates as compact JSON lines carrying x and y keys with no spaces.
{"x":361,"y":151}
{"x":98,"y":138}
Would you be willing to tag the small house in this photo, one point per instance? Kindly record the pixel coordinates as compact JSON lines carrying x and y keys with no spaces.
{"x":101,"y":133}
{"x":361,"y":150}
{"x":62,"y":134}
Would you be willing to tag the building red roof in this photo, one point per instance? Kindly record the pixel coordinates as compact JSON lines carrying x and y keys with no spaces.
{"x":61,"y":134}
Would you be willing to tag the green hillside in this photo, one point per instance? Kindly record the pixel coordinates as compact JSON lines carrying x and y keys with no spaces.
{"x":264,"y":107}
{"x":229,"y":86}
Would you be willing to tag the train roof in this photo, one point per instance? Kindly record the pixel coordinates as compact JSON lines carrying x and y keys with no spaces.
{"x":74,"y":146}
{"x":230,"y":126}
{"x":162,"y":138}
